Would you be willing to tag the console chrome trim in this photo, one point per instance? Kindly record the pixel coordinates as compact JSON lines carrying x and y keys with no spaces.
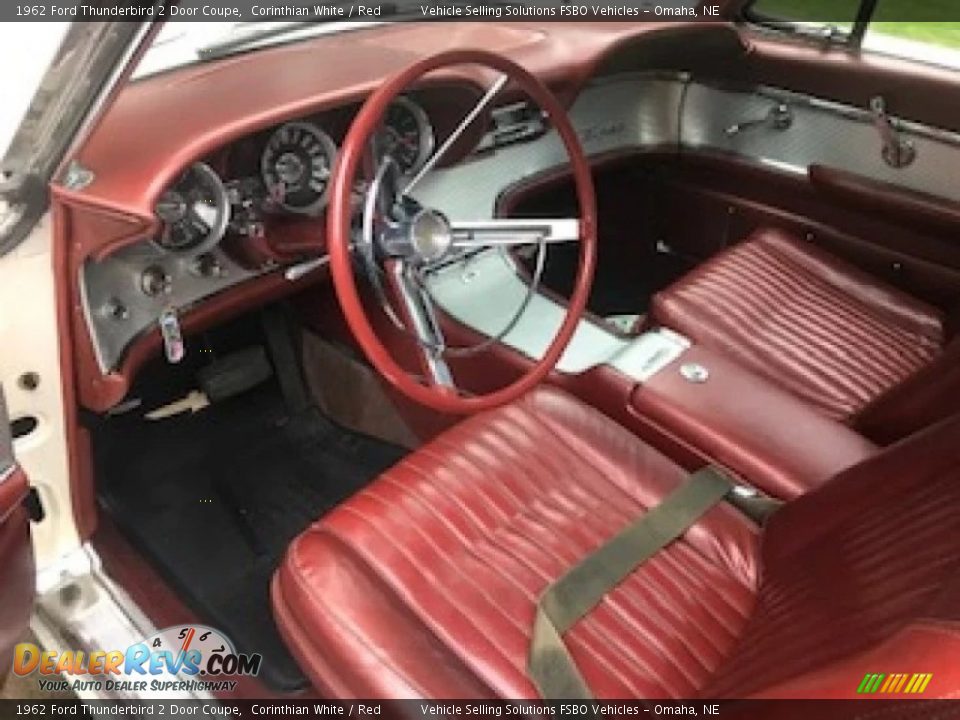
{"x":8,"y":462}
{"x":483,"y":289}
{"x":650,"y":353}
{"x":479,"y":291}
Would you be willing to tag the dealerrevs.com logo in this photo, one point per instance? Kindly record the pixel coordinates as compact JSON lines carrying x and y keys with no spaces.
{"x":171,"y":660}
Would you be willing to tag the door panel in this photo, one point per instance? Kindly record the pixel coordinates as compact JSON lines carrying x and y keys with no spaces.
{"x":709,"y":201}
{"x":17,"y":580}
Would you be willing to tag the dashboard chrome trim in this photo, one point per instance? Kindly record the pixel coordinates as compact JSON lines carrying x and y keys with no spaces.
{"x":116,"y":279}
{"x":822,"y":132}
{"x":643,"y":112}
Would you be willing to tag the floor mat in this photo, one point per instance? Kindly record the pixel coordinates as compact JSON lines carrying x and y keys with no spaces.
{"x":215,"y":498}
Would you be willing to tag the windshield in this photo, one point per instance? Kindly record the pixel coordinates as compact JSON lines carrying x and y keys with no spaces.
{"x":184,"y":42}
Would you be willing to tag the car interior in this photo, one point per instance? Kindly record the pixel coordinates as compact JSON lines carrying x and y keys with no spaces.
{"x":370,"y":337}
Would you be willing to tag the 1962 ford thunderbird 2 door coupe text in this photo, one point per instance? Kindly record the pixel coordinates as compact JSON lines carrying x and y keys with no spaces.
{"x":493,"y":359}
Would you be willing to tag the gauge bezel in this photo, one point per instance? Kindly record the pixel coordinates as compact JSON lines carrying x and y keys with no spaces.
{"x":329,"y":147}
{"x":218,"y":229}
{"x":427,"y":138}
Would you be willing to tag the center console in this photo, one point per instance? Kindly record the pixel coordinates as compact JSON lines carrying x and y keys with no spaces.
{"x":703,"y":407}
{"x":694,"y":405}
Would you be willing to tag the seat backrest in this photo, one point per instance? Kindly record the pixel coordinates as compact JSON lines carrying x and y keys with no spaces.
{"x":930,"y":395}
{"x":870,"y":555}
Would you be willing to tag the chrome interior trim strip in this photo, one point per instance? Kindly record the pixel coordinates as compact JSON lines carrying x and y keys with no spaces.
{"x":819,"y":134}
{"x":649,"y":353}
{"x":7,"y":460}
{"x":637,"y":112}
{"x":842,"y":110}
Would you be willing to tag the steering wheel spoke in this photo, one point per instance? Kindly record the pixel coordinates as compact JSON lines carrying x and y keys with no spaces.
{"x":417,"y":311}
{"x":511,"y":232}
{"x":461,"y":128}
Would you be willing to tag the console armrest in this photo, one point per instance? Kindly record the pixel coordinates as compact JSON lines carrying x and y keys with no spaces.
{"x":772,"y":439}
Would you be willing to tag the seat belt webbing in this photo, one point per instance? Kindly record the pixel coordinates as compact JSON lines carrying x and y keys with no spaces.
{"x":575,"y":593}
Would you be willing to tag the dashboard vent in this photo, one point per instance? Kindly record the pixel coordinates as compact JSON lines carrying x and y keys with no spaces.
{"x":513,"y":123}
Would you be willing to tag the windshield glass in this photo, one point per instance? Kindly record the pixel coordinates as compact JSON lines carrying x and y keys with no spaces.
{"x":185,"y":42}
{"x":30,"y":47}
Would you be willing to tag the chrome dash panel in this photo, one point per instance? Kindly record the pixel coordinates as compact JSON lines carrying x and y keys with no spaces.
{"x":634,"y":112}
{"x":821,"y":132}
{"x":118,"y":310}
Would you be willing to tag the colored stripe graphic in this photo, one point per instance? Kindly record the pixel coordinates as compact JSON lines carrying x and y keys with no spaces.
{"x":912,"y":683}
{"x":870,"y":682}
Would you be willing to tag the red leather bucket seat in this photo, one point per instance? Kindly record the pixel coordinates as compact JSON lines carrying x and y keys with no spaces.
{"x":855,"y":348}
{"x":424,"y":583}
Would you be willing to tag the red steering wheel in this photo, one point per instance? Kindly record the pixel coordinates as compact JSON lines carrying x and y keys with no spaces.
{"x":403,"y":239}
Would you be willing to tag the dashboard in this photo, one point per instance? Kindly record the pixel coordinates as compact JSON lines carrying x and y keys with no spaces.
{"x":252,"y":207}
{"x":204,"y":189}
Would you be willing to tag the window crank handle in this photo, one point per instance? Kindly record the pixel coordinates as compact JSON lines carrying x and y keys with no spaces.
{"x":779,"y":117}
{"x":897,"y":151}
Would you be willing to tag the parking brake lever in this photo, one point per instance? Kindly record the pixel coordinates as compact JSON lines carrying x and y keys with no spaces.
{"x":779,"y":117}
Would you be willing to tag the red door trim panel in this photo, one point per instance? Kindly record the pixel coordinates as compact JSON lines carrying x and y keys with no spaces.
{"x":17,"y":572}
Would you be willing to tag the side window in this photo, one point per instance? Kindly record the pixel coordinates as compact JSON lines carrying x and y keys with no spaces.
{"x":916,"y":32}
{"x":826,"y":19}
{"x":915,"y":29}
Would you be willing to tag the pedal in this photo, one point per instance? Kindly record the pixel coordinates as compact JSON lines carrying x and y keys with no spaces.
{"x":234,"y":374}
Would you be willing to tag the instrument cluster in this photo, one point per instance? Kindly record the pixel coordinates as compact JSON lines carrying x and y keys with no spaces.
{"x":284,"y":171}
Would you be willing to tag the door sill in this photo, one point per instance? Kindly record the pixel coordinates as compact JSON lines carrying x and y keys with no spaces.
{"x":80,"y":608}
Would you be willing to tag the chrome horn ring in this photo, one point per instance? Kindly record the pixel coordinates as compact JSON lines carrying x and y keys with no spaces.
{"x":423,"y":252}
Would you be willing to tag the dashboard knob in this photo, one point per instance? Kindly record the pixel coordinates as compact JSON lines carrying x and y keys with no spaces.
{"x":155,"y":281}
{"x":114,"y":309}
{"x":207,"y":265}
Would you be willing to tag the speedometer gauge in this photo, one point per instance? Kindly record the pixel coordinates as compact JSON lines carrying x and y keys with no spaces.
{"x":296,"y":165}
{"x":407,"y":135}
{"x":194,"y":211}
